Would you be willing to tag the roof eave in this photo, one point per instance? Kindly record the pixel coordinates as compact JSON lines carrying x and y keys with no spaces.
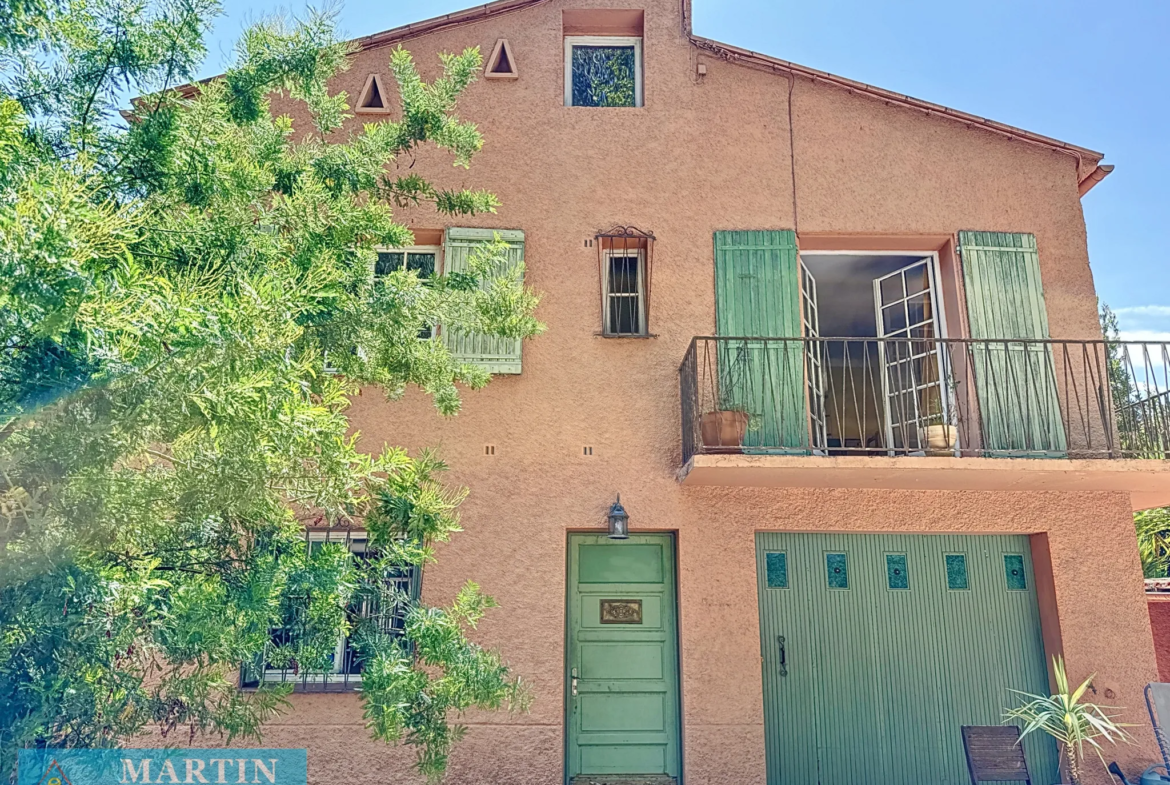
{"x":736,"y":54}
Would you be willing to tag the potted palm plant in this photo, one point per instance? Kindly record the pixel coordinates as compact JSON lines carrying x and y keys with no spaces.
{"x":1068,"y":718}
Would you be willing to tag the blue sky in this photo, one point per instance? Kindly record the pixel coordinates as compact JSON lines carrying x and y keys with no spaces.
{"x":1092,"y":73}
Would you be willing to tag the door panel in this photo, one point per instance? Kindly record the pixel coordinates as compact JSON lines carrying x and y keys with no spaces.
{"x":816,"y":360}
{"x":622,"y":657}
{"x":905,"y":305}
{"x":885,"y":665}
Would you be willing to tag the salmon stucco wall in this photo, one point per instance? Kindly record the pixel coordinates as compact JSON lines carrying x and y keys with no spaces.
{"x":705,"y":153}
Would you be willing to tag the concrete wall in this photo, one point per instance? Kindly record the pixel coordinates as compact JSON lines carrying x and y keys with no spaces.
{"x":703,"y":154}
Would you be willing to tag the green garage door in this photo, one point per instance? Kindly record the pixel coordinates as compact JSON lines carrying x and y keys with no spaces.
{"x":876,"y":649}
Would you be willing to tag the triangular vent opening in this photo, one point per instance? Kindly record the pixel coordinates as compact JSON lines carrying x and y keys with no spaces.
{"x":502,"y":63}
{"x":372,"y":98}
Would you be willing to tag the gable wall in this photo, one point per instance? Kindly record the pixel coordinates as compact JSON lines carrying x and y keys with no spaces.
{"x":702,"y":155}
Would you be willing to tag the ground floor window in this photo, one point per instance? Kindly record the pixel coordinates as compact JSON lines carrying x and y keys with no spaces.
{"x":379,"y":604}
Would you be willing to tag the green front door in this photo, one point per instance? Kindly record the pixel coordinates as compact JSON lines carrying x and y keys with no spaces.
{"x":876,"y":649}
{"x":622,"y":675}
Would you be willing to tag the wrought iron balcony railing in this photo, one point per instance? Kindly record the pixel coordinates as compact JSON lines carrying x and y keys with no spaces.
{"x":937,"y":397}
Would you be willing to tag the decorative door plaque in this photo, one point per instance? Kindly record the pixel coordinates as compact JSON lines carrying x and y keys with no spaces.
{"x":621,"y":611}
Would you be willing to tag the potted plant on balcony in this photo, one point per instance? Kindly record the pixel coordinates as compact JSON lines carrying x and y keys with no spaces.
{"x":1066,"y":717}
{"x":725,"y":426}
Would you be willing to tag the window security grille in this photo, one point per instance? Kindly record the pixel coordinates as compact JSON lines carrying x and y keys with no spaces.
{"x":378,"y":606}
{"x":625,"y":261}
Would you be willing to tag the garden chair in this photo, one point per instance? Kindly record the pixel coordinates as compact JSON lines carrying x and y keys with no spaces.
{"x":994,"y":754}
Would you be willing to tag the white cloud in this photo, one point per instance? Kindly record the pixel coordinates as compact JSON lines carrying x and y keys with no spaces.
{"x":1144,"y":310}
{"x":1144,"y":323}
{"x":1151,"y":336}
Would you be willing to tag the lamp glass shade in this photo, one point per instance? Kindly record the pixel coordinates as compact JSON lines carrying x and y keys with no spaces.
{"x":619,"y":521}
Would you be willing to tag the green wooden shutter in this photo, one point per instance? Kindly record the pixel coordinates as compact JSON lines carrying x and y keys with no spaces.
{"x":757,"y":295}
{"x":1015,"y":383}
{"x":497,"y":355}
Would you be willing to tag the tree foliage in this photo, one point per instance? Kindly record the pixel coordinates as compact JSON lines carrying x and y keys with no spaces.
{"x":1153,"y":526}
{"x":170,"y":285}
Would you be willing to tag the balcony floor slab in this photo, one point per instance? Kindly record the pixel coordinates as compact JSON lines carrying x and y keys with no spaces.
{"x":1147,"y":481}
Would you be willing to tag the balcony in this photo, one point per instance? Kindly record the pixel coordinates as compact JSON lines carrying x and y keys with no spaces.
{"x":929,"y":414}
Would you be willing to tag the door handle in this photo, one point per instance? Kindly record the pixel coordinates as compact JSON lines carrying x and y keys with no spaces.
{"x":573,"y":682}
{"x":783,"y":656}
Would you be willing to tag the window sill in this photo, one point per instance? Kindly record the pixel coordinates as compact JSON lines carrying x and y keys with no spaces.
{"x":627,"y":337}
{"x":332,"y":683}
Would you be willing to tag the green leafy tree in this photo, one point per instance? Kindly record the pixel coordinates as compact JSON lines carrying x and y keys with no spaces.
{"x":170,"y":286}
{"x":1121,"y":384}
{"x":1153,"y":536}
{"x":1153,"y":526}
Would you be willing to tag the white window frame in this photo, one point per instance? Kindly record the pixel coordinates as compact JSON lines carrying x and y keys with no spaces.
{"x":603,"y":40}
{"x":610,"y":254}
{"x":437,"y":250}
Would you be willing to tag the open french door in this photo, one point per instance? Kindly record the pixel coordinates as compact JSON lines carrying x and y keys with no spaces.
{"x":912,"y":361}
{"x":814,"y":359}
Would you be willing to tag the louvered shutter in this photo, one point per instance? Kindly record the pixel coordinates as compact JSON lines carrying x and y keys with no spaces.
{"x":757,"y":295}
{"x":1015,"y":383}
{"x":497,"y":355}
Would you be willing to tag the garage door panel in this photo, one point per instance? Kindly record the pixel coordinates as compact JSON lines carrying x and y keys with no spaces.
{"x":885,"y":666}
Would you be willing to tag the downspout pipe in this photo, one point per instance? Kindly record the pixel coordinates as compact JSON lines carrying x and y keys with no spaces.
{"x":1094,"y":177}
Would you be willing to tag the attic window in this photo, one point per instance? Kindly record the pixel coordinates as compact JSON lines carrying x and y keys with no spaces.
{"x":625,"y":256}
{"x":603,"y":71}
{"x":373,"y":96}
{"x":502,"y":63}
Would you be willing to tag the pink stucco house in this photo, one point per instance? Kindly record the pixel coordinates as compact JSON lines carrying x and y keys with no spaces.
{"x":836,"y":349}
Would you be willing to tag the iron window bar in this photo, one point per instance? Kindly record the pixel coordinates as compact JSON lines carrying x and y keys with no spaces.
{"x":625,"y":264}
{"x":379,"y":606}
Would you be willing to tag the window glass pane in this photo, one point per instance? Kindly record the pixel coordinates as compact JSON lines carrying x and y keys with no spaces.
{"x":387,"y":261}
{"x":776,"y":567}
{"x":623,"y":274}
{"x":897,"y":576}
{"x":421,"y":263}
{"x":892,"y":289}
{"x":956,"y":571}
{"x":603,"y":75}
{"x":623,"y":316}
{"x":837,"y":570}
{"x":624,"y":296}
{"x":1013,"y":568}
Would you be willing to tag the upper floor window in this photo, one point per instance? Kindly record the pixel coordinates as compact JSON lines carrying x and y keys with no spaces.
{"x":422,"y":259}
{"x":603,"y":71}
{"x":625,"y":256}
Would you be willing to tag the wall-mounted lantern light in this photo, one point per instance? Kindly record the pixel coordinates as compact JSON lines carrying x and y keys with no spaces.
{"x":619,"y":521}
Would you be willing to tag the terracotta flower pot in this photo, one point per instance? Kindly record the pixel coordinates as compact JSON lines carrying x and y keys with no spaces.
{"x":723,"y":428}
{"x":939,"y":439}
